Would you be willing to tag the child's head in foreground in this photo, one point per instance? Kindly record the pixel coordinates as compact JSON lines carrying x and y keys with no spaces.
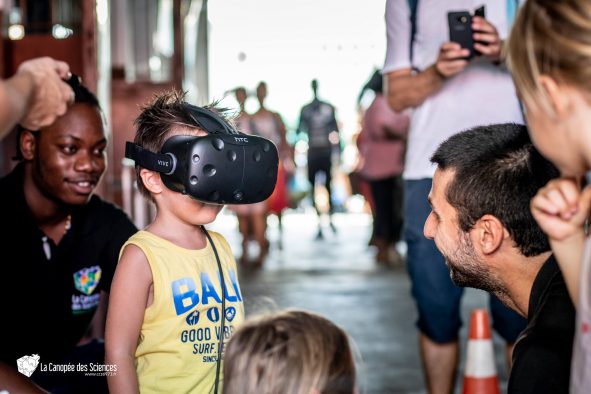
{"x":164,"y":117}
{"x":292,"y":352}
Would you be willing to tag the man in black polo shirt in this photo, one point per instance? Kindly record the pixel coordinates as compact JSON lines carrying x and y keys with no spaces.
{"x":481,"y":223}
{"x":60,"y":245}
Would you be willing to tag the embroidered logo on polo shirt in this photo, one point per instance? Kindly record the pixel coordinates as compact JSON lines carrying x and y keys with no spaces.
{"x":87,"y":279}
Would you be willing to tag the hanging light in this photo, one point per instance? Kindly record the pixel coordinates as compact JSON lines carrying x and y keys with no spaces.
{"x":16,"y":32}
{"x":60,"y":32}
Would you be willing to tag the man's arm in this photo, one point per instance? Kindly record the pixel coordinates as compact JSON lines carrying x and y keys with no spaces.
{"x":405,"y":89}
{"x":15,"y":94}
{"x":97,"y":325}
{"x":35,"y":95}
{"x":333,"y":122}
{"x":302,"y":124}
{"x":14,"y":382}
{"x":408,"y":90}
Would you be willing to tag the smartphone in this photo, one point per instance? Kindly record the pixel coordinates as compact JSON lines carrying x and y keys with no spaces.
{"x":480,"y":11}
{"x":460,"y":30}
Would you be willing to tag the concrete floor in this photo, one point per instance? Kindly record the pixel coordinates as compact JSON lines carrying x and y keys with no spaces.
{"x":338,"y":278}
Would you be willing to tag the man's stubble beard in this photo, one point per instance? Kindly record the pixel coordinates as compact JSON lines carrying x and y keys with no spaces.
{"x":467,"y":270}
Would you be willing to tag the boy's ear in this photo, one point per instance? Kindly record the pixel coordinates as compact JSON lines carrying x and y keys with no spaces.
{"x":152,"y":181}
{"x":27,"y":144}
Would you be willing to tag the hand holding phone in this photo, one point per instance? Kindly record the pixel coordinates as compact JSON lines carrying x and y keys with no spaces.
{"x":487,"y":41}
{"x":480,"y":12}
{"x":475,"y":33}
{"x":452,"y":59}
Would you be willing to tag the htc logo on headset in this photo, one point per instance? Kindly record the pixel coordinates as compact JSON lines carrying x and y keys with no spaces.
{"x":241,"y":139}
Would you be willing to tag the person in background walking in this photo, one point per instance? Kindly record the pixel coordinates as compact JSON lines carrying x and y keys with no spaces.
{"x":382,"y":150}
{"x":268,"y":124}
{"x":252,"y":218}
{"x":318,"y":121}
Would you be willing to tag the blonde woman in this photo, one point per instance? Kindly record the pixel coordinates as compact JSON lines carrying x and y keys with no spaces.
{"x":292,"y":352}
{"x":549,"y":53}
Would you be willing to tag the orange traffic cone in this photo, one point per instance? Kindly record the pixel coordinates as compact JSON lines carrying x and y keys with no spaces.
{"x":480,"y":376}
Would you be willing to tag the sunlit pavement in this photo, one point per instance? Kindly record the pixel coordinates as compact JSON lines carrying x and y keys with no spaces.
{"x":338,"y":278}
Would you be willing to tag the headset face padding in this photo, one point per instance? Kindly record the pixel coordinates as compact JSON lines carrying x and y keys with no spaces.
{"x":222,"y":168}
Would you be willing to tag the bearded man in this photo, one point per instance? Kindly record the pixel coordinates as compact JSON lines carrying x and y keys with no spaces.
{"x":481,"y":222}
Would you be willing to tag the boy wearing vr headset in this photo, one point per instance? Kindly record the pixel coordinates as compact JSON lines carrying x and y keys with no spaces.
{"x":168,"y":315}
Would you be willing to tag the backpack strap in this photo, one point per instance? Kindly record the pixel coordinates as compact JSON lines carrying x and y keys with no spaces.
{"x":412,"y":6}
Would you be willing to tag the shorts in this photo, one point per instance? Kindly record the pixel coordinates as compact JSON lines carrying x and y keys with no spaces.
{"x":319,"y":162}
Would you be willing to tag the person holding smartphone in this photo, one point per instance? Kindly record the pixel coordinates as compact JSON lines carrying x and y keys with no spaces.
{"x":449,"y":91}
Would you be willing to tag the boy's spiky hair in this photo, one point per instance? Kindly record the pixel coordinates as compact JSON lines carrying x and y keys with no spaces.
{"x":157,"y":120}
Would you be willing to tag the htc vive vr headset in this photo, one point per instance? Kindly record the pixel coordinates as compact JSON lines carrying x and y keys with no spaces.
{"x":224,"y":167}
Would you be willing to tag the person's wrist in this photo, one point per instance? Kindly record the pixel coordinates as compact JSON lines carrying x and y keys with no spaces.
{"x":438,"y":73}
{"x":32,"y":79}
{"x":499,"y":59}
{"x":23,"y":85}
{"x":575,"y":238}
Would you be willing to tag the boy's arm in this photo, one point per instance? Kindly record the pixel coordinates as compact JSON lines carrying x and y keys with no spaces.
{"x":127,"y":304}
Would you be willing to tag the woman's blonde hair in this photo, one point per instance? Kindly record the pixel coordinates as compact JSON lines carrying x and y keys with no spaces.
{"x":553,"y":38}
{"x":292,"y":352}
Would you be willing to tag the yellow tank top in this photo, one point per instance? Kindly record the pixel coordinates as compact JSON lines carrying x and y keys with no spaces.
{"x":178,"y":344}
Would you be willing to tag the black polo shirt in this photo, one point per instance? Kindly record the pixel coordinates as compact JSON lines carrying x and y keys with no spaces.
{"x":47,"y":304}
{"x":543,"y":351}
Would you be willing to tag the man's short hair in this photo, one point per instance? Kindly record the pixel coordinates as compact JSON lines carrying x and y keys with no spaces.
{"x":497,"y":172}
